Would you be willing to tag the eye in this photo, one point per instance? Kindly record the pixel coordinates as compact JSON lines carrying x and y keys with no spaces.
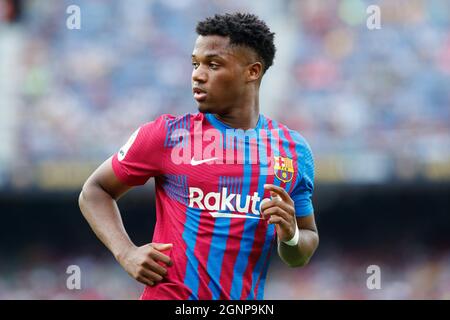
{"x":213,"y":66}
{"x":195,"y":65}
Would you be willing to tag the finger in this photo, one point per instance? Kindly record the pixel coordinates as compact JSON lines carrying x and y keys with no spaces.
{"x":275,"y":203}
{"x":267,"y":203}
{"x":279,"y":191}
{"x":277,"y":220}
{"x":277,"y":211}
{"x":279,"y":223}
{"x":149,"y":274}
{"x":161,"y":246}
{"x":159,"y":256}
{"x":275,"y":196}
{"x":144,"y":280}
{"x":155,"y":267}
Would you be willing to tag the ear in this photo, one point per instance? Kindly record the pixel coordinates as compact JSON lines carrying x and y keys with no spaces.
{"x":254,"y":71}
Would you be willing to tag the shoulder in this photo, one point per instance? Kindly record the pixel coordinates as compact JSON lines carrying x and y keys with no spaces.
{"x":187,"y":116}
{"x":303,"y":155}
{"x":167,"y":121}
{"x":179,"y":121}
{"x":168,"y":128}
{"x":293,"y":136}
{"x":300,"y":141}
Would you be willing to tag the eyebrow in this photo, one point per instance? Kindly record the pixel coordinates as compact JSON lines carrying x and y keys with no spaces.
{"x":210,"y":56}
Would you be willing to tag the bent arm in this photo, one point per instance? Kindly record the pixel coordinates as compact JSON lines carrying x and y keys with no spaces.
{"x":297,"y":256}
{"x":98,"y":205}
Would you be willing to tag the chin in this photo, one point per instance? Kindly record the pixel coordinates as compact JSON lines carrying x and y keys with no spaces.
{"x":203,"y":108}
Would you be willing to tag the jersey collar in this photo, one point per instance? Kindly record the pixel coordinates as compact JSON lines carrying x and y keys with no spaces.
{"x":216,"y":123}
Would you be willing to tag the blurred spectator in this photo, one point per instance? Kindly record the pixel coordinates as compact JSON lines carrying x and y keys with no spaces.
{"x":338,"y":276}
{"x":374,"y":105}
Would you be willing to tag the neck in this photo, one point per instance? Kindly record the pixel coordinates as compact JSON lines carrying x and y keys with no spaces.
{"x":244,"y":115}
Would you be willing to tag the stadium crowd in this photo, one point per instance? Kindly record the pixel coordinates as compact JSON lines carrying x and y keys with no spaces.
{"x":336,"y":276}
{"x":374,"y":104}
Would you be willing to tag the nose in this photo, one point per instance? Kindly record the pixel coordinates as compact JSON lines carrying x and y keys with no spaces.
{"x":199,"y":75}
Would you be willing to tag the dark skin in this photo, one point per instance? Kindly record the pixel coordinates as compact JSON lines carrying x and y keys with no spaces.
{"x":231,"y":77}
{"x":281,"y":212}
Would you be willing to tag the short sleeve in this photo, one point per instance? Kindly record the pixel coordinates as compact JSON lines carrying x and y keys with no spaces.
{"x":303,"y":190}
{"x":141,"y":157}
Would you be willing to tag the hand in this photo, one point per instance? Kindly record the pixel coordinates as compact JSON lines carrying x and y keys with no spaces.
{"x":280,"y":211}
{"x":141,"y":263}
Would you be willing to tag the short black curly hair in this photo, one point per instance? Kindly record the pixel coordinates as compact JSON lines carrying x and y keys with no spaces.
{"x":243,"y":29}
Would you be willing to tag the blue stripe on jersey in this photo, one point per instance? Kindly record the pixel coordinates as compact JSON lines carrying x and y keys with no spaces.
{"x":248,"y":235}
{"x":175,"y":187}
{"x":261,"y":263}
{"x":176,"y":127}
{"x":238,"y":188}
{"x":183,"y":125}
{"x":166,"y":140}
{"x":218,"y":246}
{"x":188,"y":128}
{"x":174,"y":124}
{"x":186,"y":191}
{"x":191,"y":278}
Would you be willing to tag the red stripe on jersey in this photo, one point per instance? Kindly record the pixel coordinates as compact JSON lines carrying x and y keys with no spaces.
{"x":230,"y":256}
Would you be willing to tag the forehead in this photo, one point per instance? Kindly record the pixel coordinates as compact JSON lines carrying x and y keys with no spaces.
{"x":211,"y":45}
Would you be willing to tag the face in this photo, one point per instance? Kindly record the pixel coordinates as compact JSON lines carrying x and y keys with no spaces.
{"x":219,"y":74}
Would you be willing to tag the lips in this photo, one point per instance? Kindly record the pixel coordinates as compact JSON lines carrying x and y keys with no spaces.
{"x":199,"y":94}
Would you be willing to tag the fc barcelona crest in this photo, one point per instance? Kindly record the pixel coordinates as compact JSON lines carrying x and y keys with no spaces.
{"x":283,"y":169}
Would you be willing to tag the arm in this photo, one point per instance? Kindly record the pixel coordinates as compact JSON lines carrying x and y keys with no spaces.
{"x":297,"y":256}
{"x":281,"y":212}
{"x":98,"y":205}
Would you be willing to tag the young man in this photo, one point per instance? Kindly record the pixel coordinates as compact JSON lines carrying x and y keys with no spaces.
{"x":229,"y":181}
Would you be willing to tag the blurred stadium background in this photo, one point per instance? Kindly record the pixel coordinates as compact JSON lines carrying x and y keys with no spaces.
{"x":374,"y":105}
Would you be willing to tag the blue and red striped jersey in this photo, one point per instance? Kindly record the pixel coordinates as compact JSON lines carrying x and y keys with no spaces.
{"x":209,"y":182}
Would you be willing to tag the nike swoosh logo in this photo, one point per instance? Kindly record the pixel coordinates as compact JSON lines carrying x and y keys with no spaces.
{"x":231,"y":215}
{"x":197,"y":162}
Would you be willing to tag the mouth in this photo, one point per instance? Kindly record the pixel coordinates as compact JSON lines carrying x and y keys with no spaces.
{"x":199,"y":94}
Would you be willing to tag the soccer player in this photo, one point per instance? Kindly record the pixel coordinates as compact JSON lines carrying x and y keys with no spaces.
{"x":230,"y":182}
